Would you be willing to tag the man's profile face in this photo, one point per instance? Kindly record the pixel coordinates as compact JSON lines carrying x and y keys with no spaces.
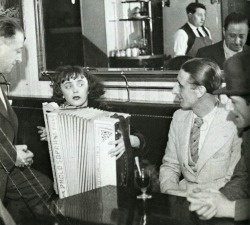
{"x":239,"y":111}
{"x":10,"y":51}
{"x":236,"y":36}
{"x":198,"y":18}
{"x":185,"y":91}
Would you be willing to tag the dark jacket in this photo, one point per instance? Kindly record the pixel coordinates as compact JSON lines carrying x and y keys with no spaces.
{"x":8,"y":135}
{"x":238,"y":188}
{"x":216,"y":52}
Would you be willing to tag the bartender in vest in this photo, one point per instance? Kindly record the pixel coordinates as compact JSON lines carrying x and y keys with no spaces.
{"x":193,"y":35}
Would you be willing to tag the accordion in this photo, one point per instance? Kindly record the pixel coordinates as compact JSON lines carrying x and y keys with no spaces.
{"x":78,"y":140}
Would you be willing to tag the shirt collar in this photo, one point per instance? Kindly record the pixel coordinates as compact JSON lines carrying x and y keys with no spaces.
{"x":210,"y":115}
{"x":192,"y":26}
{"x":2,"y":98}
{"x":228,"y":52}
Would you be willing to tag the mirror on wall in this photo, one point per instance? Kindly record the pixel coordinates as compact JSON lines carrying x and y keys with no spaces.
{"x":95,"y":33}
{"x":116,"y":33}
{"x":59,"y":38}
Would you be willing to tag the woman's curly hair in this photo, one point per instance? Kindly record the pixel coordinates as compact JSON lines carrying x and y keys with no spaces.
{"x":65,"y":73}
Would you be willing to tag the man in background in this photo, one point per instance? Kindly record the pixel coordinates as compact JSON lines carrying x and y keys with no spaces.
{"x":229,"y":201}
{"x":193,"y":35}
{"x":235,"y":33}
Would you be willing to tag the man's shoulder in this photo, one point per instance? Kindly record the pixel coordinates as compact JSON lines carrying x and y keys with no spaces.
{"x":246,"y":48}
{"x":223,"y":115}
{"x":210,"y":48}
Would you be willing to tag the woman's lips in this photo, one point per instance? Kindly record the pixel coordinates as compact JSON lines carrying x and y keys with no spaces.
{"x":76,"y":97}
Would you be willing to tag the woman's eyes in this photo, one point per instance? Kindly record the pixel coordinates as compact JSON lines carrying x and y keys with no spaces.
{"x":80,"y":84}
{"x":68,"y":86}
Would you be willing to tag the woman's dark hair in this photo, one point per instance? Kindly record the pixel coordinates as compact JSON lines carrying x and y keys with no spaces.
{"x":65,"y":73}
{"x":203,"y":72}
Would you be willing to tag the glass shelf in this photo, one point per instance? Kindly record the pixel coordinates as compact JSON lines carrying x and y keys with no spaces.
{"x":135,"y":1}
{"x":136,"y":19}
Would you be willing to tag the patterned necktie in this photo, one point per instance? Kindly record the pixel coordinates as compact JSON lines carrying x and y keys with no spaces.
{"x":200,"y":34}
{"x":194,"y":139}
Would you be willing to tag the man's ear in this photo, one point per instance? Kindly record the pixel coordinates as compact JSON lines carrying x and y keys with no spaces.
{"x":200,"y":91}
{"x":223,"y":31}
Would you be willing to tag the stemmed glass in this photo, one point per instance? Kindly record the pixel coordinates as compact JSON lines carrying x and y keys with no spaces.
{"x":142,"y":179}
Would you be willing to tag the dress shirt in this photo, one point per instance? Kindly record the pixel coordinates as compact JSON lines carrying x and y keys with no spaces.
{"x":2,"y":98}
{"x":228,"y":52}
{"x":207,"y":120}
{"x":181,"y":39}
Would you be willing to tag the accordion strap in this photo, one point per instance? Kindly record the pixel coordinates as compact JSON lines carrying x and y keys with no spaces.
{"x":125,"y":164}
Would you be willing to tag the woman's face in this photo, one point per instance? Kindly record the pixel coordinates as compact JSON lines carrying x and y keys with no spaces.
{"x":75,"y":91}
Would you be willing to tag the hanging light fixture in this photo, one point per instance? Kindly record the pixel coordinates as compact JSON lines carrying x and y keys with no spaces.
{"x":73,"y":1}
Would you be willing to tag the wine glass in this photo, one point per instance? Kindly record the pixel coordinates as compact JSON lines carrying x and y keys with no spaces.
{"x":142,"y":179}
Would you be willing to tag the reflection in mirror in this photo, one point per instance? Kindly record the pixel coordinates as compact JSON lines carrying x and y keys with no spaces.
{"x":59,"y":30}
{"x":79,"y":32}
{"x":117,"y":33}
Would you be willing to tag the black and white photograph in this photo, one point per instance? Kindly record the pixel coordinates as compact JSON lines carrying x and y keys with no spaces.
{"x":124,"y":112}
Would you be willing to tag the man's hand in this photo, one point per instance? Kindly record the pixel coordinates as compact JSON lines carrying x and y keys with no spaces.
{"x":211,"y":203}
{"x":24,"y":156}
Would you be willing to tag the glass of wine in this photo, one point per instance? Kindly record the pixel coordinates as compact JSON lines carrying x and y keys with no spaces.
{"x":142,"y":178}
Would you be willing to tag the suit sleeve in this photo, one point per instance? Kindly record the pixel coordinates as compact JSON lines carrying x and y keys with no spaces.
{"x":7,"y":152}
{"x":237,"y":187}
{"x":170,"y":170}
{"x":141,"y":150}
{"x":235,"y":155}
{"x":242,"y":209}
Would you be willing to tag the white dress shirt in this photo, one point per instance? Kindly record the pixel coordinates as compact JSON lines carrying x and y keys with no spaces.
{"x":2,"y":98}
{"x":181,"y":39}
{"x":207,"y":120}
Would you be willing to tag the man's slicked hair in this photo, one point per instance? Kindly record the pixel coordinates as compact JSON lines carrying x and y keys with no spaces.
{"x":235,"y":18}
{"x":191,"y":8}
{"x":9,"y":27}
{"x":204,"y":72}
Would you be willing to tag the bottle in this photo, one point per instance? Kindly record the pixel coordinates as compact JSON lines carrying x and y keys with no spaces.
{"x":128,"y":52}
{"x":135,"y":52}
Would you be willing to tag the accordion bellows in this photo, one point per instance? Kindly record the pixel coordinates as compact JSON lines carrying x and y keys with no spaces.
{"x":79,"y":144}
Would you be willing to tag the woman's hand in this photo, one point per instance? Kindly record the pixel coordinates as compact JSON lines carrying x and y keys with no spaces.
{"x":43,"y":133}
{"x":119,"y":148}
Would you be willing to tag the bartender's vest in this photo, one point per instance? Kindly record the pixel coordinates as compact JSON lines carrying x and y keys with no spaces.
{"x":195,"y":43}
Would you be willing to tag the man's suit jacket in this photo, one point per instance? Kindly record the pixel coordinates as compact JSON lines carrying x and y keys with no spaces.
{"x":238,"y":188}
{"x":216,"y":52}
{"x":8,"y":134}
{"x":218,"y":156}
